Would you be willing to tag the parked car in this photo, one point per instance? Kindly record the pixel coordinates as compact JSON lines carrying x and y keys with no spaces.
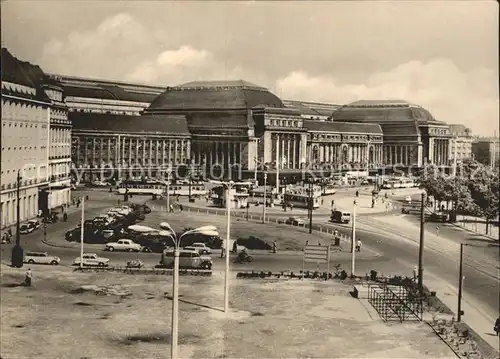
{"x":201,"y":247}
{"x":188,"y":259}
{"x":41,"y":258}
{"x":26,"y":228}
{"x":295,"y":221}
{"x":123,"y":245}
{"x":92,"y":259}
{"x":100,"y":184}
{"x":35,"y":223}
{"x":408,"y":199}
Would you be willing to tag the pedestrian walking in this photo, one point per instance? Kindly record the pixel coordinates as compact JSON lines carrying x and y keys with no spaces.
{"x":275,"y":247}
{"x":171,"y":209}
{"x":437,"y":229}
{"x":321,"y":201}
{"x":65,"y":216}
{"x":496,"y":328}
{"x":29,"y":277}
{"x":181,"y":207}
{"x":223,"y":249}
{"x":358,"y":245}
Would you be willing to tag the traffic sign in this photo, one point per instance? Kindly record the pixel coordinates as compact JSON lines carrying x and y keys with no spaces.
{"x":316,"y":253}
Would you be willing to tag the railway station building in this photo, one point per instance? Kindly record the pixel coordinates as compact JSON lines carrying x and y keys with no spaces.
{"x":241,"y":130}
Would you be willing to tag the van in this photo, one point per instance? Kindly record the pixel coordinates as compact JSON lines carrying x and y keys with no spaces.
{"x":188,"y":259}
{"x":340,"y":217}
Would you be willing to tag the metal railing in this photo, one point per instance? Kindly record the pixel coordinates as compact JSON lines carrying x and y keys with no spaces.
{"x":395,"y":302}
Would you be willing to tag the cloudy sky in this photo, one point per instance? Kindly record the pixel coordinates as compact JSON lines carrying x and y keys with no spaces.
{"x":442,"y":55}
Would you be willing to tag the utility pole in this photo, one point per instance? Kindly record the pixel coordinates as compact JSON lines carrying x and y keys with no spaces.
{"x":265,"y":199}
{"x":278,"y":165}
{"x":256,"y":159}
{"x":310,"y":207}
{"x":168,"y":190}
{"x":17,"y":251}
{"x":228,"y":233}
{"x":421,"y":246}
{"x":82,"y":232}
{"x":460,"y":282}
{"x":353,"y":240}
{"x":284,"y":199}
{"x":189,"y":169}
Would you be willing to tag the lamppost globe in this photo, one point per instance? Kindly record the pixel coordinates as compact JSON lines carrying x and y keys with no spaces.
{"x":165,"y":226}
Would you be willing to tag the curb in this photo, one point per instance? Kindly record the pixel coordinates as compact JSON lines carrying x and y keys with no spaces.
{"x":55,"y":245}
{"x":484,"y":236}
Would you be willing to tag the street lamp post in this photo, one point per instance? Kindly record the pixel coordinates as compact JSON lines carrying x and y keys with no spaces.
{"x":168,"y":190}
{"x":265,"y":199}
{"x":228,"y":186}
{"x":421,"y":246}
{"x":311,"y":198}
{"x":17,"y":250}
{"x":208,"y":230}
{"x":460,"y":282}
{"x":353,"y":239}
{"x":82,"y":232}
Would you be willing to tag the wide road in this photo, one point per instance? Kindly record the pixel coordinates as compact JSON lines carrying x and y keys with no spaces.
{"x":263,"y":260}
{"x":398,"y":253}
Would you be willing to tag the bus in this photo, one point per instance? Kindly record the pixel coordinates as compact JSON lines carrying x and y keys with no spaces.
{"x":329,"y":189}
{"x":300,"y":200}
{"x":256,"y":195}
{"x":198,"y":189}
{"x":400,"y":183}
{"x":159,"y":188}
{"x":145,"y":187}
{"x":298,"y":196}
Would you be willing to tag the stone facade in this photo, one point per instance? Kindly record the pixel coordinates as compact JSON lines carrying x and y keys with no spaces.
{"x":25,"y":142}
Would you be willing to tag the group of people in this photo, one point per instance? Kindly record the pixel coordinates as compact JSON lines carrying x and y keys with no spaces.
{"x":7,"y":236}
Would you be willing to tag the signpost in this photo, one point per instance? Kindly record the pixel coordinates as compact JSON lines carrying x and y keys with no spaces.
{"x":316,"y":253}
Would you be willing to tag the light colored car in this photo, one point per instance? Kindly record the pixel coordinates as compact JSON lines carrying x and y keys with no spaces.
{"x":295,"y":221}
{"x":35,"y":223}
{"x":26,"y":228}
{"x":123,"y":245}
{"x":92,"y":259}
{"x":188,"y":259}
{"x":408,"y":199}
{"x":201,"y":247}
{"x":41,"y":258}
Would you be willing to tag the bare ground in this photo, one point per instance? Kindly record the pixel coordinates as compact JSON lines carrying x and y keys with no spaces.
{"x":271,"y":319}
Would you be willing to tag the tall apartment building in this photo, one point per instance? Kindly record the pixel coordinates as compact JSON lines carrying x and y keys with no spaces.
{"x":59,"y":192}
{"x":486,"y":151}
{"x":461,"y":143}
{"x":25,"y":139}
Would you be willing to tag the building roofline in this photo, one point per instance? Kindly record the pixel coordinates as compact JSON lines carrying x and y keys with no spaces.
{"x":68,"y":78}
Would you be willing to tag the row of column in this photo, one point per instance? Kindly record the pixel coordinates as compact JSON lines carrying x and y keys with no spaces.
{"x":343,"y":153}
{"x":285,"y":150}
{"x":440,"y":148}
{"x":399,"y":155}
{"x":221,"y":153}
{"x":128,"y":151}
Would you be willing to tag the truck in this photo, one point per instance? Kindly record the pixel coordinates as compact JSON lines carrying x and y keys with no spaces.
{"x":340,"y":217}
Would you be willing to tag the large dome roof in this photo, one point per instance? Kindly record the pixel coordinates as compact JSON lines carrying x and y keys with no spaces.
{"x":214,"y":95}
{"x":382,"y":111}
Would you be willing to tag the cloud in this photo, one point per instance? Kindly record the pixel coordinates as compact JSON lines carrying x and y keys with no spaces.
{"x":109,"y":50}
{"x":451,"y":95}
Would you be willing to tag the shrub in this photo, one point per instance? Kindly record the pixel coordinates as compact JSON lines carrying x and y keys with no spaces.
{"x":254,"y":243}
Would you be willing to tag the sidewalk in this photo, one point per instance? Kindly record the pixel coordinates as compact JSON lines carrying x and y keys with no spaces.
{"x":477,"y":226}
{"x":473,"y":317}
